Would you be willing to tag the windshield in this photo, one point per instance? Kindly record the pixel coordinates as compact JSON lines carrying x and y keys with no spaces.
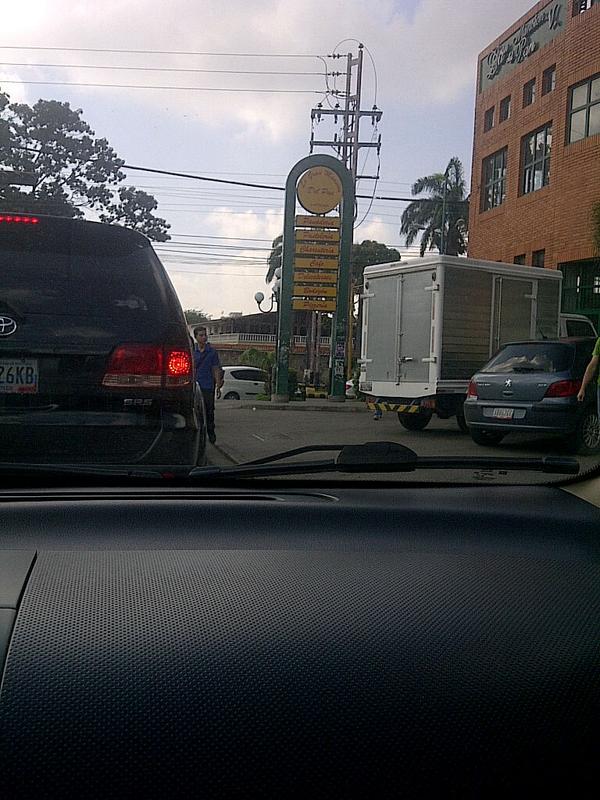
{"x":227,"y":232}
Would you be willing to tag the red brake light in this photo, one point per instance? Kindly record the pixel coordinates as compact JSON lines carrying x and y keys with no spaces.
{"x":146,"y":365}
{"x":563,"y":389}
{"x":179,"y":368}
{"x":472,"y":391}
{"x":19,"y":219}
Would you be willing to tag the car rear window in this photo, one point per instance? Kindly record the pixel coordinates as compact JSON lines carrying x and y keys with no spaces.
{"x":532,"y":357}
{"x":248,"y":375}
{"x":77,"y":269}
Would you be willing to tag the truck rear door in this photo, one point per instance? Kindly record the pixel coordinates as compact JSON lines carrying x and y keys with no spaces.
{"x":380,"y":340}
{"x":414,"y":334}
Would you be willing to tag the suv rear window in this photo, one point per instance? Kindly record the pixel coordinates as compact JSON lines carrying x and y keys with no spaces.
{"x":532,"y":357}
{"x":70,"y":268}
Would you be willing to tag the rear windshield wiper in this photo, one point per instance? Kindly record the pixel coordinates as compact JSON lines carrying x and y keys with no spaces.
{"x":380,"y":457}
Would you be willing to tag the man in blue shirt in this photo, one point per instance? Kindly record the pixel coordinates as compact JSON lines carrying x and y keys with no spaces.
{"x":209,"y":375}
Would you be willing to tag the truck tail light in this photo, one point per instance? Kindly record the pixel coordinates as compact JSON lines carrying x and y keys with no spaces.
{"x":563,"y":389}
{"x":472,"y":391}
{"x":147,"y":366}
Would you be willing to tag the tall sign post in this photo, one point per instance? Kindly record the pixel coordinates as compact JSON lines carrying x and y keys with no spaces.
{"x":317,"y":248}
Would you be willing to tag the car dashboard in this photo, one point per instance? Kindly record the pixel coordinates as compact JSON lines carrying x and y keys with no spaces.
{"x":258,"y":641}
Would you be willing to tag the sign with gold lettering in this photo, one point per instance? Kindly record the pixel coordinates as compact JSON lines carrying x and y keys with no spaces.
{"x":315,"y":291}
{"x":316,"y":249}
{"x":315,"y":277}
{"x":313,"y":305}
{"x":319,"y":190}
{"x":305,"y":221}
{"x":317,"y":236}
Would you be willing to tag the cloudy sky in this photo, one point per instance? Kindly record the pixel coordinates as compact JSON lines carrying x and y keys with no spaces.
{"x":425,"y":55}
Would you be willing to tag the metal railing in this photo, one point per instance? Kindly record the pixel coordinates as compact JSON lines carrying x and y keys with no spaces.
{"x":260,"y":338}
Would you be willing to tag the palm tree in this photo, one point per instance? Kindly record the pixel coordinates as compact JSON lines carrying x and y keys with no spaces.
{"x":424,"y":216}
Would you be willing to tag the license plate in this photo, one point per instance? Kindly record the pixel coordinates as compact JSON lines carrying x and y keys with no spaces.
{"x":19,"y":376}
{"x":503,"y":413}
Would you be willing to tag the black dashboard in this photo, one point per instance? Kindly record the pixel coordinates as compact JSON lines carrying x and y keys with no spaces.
{"x":248,"y":642}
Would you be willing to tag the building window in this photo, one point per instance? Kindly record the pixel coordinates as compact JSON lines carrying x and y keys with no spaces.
{"x":504,"y":109}
{"x":494,"y":180}
{"x":584,"y":109}
{"x":537,"y":147}
{"x":549,"y":80}
{"x":537,"y":258}
{"x":519,"y":259}
{"x":488,"y":119}
{"x":596,"y":286}
{"x":579,"y":6}
{"x":529,"y":93}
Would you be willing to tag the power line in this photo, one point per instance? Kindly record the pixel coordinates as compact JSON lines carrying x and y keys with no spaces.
{"x":161,"y":52}
{"x":278,"y":188}
{"x":158,"y":69}
{"x":169,"y":88}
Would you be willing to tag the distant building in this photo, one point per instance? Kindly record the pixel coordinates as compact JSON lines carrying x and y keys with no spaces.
{"x":536,"y":149}
{"x":232,"y":335}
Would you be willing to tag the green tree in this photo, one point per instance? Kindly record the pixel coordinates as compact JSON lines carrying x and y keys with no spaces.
{"x":261,"y":360}
{"x":424,"y":216}
{"x":363,"y":255}
{"x":74,"y":169}
{"x":370,"y":252}
{"x":195,"y":316}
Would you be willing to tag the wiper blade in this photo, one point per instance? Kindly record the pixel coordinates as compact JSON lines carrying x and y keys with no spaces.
{"x":380,"y":457}
{"x":75,"y":470}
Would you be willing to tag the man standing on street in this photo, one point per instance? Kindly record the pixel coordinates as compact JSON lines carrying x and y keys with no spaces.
{"x":209,"y":377}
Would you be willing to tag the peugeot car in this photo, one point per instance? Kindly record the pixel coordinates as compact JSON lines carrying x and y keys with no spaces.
{"x":531,"y":387}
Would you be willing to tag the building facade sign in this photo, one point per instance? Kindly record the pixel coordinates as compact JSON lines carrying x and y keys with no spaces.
{"x":538,"y":31}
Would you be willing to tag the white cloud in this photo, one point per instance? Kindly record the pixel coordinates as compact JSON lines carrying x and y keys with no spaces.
{"x":428,"y":57}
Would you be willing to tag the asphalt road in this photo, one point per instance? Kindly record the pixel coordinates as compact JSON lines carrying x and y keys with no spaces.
{"x":248,"y":433}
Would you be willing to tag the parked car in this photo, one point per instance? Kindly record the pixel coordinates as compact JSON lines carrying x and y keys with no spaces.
{"x":95,"y":356}
{"x":531,"y":387}
{"x":243,"y":383}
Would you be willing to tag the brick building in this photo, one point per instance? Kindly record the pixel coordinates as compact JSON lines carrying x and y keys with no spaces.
{"x":536,"y":147}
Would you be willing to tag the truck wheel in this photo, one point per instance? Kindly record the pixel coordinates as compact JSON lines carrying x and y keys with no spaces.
{"x":586,"y":439}
{"x":486,"y":438}
{"x":415,"y":422}
{"x":460,"y":419}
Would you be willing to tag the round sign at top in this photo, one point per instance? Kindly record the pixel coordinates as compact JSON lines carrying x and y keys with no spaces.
{"x":319,"y":190}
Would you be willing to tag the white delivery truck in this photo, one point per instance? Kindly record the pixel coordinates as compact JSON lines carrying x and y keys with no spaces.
{"x":430,"y":323}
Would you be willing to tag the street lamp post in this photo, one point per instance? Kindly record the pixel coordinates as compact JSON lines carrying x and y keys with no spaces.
{"x":443,"y":233}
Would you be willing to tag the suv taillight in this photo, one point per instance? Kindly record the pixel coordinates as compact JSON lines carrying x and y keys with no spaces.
{"x":563,"y":389}
{"x":472,"y":391}
{"x":147,"y":366}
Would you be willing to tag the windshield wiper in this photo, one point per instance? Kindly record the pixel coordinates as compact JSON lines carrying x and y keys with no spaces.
{"x":75,"y":470}
{"x":379,"y":457}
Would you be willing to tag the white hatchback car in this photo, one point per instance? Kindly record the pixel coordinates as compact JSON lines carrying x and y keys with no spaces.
{"x":243,"y":383}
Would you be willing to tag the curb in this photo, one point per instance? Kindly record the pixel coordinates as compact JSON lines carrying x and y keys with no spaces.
{"x":224,"y":453}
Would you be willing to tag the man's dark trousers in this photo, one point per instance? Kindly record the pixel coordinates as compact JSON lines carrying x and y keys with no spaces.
{"x":209,"y":407}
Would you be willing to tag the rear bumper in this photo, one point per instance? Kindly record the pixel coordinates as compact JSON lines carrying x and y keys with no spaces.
{"x":533,"y":418}
{"x":100,"y":438}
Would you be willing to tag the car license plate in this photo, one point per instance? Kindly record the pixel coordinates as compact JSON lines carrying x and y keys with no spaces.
{"x":503,"y":413}
{"x":19,"y":376}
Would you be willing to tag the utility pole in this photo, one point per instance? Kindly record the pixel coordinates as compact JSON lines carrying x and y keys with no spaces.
{"x":348,"y":144}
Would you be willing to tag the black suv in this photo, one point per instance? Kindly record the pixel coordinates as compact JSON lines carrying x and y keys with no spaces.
{"x":532,"y":387}
{"x":95,"y":356}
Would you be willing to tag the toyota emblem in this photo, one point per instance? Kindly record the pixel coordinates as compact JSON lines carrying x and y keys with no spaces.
{"x":7,"y":326}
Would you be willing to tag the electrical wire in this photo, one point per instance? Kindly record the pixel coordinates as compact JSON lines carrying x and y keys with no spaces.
{"x":169,"y":88}
{"x":159,"y":52}
{"x":158,"y":69}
